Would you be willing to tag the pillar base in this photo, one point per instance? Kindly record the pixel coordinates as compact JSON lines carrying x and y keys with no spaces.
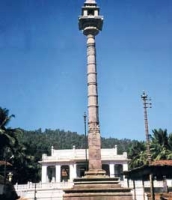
{"x":94,"y":173}
{"x":97,"y":188}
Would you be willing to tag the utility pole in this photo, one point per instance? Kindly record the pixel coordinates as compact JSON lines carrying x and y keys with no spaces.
{"x":6,"y":153}
{"x":5,"y":167}
{"x":35,"y":192}
{"x":85,"y":131}
{"x":148,"y":104}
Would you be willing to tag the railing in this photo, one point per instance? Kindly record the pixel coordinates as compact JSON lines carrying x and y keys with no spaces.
{"x":31,"y":186}
{"x":80,"y":154}
{"x":54,"y":191}
{"x":63,"y":185}
{"x":139,"y":184}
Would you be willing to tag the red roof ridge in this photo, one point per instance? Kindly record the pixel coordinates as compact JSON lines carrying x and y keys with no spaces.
{"x":162,"y":162}
{"x":3,"y":162}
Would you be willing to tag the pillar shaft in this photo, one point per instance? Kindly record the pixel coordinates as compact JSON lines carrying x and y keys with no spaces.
{"x":92,"y":82}
{"x":94,"y":140}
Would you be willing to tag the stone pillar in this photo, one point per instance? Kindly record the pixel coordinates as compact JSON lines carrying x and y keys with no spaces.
{"x":58,"y":173}
{"x":125,"y":167}
{"x":94,"y":139}
{"x":92,"y":82}
{"x":72,"y":171}
{"x":95,"y":185}
{"x":112,"y":170}
{"x":44,"y":174}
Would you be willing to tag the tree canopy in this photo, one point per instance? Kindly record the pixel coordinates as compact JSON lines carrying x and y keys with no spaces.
{"x":160,"y":148}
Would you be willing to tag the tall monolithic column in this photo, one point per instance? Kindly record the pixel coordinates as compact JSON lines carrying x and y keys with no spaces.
{"x":91,"y":23}
{"x":95,"y":185}
{"x":94,"y":143}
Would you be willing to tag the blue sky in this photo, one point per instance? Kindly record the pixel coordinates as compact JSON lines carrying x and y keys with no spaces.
{"x":43,"y":65}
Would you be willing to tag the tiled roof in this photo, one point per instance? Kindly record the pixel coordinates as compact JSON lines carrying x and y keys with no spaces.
{"x":162,"y":163}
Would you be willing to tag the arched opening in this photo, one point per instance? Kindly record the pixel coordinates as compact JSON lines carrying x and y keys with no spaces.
{"x":65,"y":173}
{"x":119,"y":171}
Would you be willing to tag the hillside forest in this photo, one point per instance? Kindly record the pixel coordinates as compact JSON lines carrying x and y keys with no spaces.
{"x":22,"y":149}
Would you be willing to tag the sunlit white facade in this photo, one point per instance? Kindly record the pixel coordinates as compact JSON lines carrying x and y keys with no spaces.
{"x":65,"y":165}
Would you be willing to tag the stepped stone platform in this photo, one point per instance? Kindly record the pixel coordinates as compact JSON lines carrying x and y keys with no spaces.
{"x":97,"y":188}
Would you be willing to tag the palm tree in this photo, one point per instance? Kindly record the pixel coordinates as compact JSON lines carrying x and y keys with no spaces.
{"x":160,"y":145}
{"x":170,"y":140}
{"x":160,"y":136}
{"x":24,"y":164}
{"x":8,"y":136}
{"x":137,"y":154}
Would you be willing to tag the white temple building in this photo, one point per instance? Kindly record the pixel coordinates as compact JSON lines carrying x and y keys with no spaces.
{"x":65,"y":165}
{"x":62,"y":166}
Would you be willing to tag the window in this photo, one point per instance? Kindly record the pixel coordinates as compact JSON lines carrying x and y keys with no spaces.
{"x":91,"y":12}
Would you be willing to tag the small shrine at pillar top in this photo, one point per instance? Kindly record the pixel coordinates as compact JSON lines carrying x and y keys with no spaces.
{"x":90,"y":18}
{"x":90,"y":1}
